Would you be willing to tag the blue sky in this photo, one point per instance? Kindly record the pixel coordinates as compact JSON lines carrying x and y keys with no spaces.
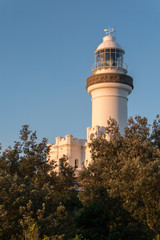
{"x":46,"y":53}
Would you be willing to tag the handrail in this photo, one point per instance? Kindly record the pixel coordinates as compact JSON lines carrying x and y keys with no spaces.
{"x":104,"y":64}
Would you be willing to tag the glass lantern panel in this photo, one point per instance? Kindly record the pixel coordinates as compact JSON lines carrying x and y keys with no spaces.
{"x":107,"y":57}
{"x":101,"y":58}
{"x":97,"y":60}
{"x":119,"y":57}
{"x":113,"y":58}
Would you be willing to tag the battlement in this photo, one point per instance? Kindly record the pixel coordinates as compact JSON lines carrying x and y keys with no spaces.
{"x":69,"y":139}
{"x":94,"y":132}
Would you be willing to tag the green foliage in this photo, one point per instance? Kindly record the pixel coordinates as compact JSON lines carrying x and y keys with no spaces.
{"x":118,"y":198}
{"x":92,"y":221}
{"x":30,"y":228}
{"x":126,"y":171}
{"x":157,"y":237}
{"x":34,"y":199}
{"x":79,"y":237}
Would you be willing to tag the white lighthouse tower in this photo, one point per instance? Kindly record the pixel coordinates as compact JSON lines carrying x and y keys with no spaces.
{"x":109,"y":85}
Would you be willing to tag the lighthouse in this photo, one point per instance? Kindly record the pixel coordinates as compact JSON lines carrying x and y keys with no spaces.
{"x":109,"y":85}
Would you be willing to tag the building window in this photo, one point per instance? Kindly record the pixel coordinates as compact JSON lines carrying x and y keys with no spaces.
{"x":76,"y":163}
{"x":91,"y":136}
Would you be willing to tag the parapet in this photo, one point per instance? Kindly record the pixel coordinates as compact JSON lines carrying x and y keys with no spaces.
{"x":69,"y":139}
{"x":94,"y":132}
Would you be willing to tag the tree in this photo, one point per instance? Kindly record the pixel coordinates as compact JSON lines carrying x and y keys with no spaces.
{"x":119,"y":193}
{"x":125,"y":175}
{"x":34,"y":199}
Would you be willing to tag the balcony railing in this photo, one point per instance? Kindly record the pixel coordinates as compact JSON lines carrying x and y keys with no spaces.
{"x":113,"y":64}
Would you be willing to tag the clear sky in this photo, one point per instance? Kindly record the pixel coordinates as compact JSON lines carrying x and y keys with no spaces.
{"x":46,"y":53}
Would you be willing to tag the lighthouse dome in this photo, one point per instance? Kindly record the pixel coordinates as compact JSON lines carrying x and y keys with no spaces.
{"x":109,"y":42}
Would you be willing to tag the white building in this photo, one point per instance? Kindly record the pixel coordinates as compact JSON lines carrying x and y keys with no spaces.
{"x":109,"y":86}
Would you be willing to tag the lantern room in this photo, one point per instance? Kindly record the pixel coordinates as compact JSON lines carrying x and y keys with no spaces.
{"x":109,"y":56}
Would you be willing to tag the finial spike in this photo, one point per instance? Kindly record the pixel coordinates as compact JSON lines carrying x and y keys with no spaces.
{"x":109,"y":30}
